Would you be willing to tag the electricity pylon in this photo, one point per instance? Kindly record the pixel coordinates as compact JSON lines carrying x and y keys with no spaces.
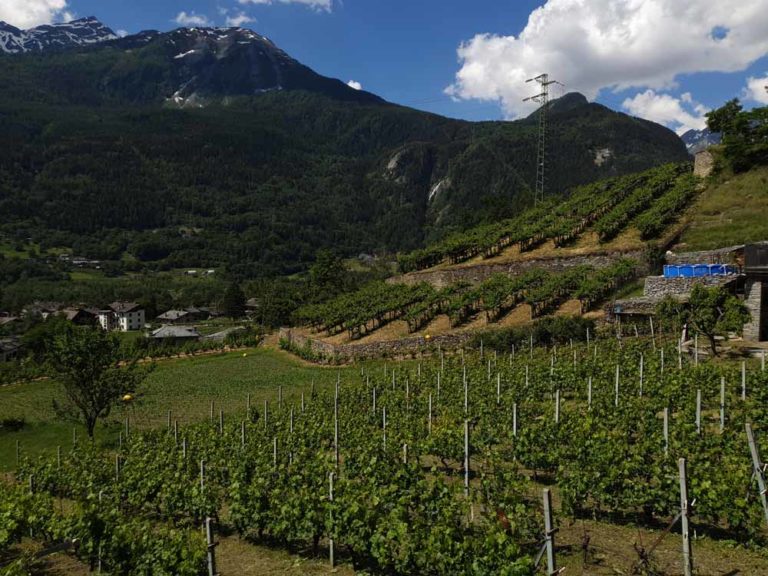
{"x":543,"y":99}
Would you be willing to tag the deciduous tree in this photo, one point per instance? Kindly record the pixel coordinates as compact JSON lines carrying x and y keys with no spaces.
{"x":87,"y":363}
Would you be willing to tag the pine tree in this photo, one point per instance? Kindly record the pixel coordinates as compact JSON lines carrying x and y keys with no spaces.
{"x":233,"y":304}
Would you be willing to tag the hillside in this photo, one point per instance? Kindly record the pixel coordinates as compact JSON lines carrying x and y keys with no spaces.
{"x":732,"y":210}
{"x":214,"y":148}
{"x":522,"y":269}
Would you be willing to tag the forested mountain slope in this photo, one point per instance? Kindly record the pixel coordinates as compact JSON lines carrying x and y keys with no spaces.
{"x":211,"y":147}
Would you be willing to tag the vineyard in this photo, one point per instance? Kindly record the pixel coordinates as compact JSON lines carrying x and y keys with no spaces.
{"x":376,"y":305}
{"x":650,"y":200}
{"x":434,"y":468}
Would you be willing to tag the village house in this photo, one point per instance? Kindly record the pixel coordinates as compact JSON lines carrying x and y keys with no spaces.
{"x":42,"y":309}
{"x":122,"y":316}
{"x":175,"y":334}
{"x":183,"y":316}
{"x":10,"y":349}
{"x":80,"y":316}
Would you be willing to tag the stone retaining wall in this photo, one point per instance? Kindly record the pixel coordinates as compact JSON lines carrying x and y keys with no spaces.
{"x":657,"y":287}
{"x":415,"y":345}
{"x":729,"y":255}
{"x":754,"y":302}
{"x":481,"y":272}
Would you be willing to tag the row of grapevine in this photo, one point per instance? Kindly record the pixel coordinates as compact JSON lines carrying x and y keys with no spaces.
{"x":104,"y":536}
{"x":665,"y":211}
{"x":602,"y":202}
{"x":597,"y":286}
{"x":586,"y":417}
{"x":419,"y":305}
{"x":365,"y":310}
{"x":661,"y":180}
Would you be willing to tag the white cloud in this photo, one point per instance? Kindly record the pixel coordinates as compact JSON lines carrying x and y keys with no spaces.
{"x":681,"y":114}
{"x":756,"y":89}
{"x":239,"y":19}
{"x":29,"y":13}
{"x":121,"y":33}
{"x":321,"y":5}
{"x":611,"y":44}
{"x":191,"y":19}
{"x":354,"y":84}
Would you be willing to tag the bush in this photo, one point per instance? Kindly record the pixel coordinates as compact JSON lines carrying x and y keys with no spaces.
{"x":547,"y":331}
{"x":12,"y":424}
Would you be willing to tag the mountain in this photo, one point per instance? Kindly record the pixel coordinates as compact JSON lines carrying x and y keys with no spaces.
{"x":213,"y":147}
{"x":213,"y":62}
{"x":82,"y":32}
{"x":697,"y":140}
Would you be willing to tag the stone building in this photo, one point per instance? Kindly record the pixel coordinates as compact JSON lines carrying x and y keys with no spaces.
{"x":756,"y":291}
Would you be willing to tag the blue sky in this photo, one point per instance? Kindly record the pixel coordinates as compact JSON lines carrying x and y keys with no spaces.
{"x":469,"y":59}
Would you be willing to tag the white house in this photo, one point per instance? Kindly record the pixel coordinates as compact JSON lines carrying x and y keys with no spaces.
{"x":122,"y":316}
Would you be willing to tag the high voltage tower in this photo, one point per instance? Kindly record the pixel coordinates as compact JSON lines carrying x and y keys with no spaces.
{"x":543,"y":99}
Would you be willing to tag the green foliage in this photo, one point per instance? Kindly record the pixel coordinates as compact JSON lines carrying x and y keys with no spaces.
{"x":608,"y":459}
{"x":233,"y":303}
{"x":745,"y":134}
{"x":608,"y":205}
{"x":709,"y":311}
{"x":87,"y":363}
{"x":550,"y":331}
{"x":723,"y":119}
{"x":327,"y":275}
{"x":93,"y":159}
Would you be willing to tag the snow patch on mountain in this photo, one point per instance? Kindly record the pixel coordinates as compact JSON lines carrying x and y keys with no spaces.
{"x":698,"y":140}
{"x":82,"y":32}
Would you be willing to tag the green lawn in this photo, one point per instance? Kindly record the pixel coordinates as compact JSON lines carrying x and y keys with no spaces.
{"x":729,"y":213}
{"x":85,"y":275}
{"x":186,"y":387}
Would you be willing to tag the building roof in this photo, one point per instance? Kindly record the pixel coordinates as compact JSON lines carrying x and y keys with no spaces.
{"x":175,"y":332}
{"x":72,"y":313}
{"x":43,"y":307}
{"x":7,"y":320}
{"x":173,"y":315}
{"x":220,"y":336}
{"x":123,"y":307}
{"x":9,"y":344}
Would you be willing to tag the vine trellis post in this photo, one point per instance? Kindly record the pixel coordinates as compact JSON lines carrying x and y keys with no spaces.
{"x":743,"y":380}
{"x":549,"y":534}
{"x":211,"y":547}
{"x":684,"y":519}
{"x":331,"y":550}
{"x":758,"y":468}
{"x":698,"y":411}
{"x":722,"y":403}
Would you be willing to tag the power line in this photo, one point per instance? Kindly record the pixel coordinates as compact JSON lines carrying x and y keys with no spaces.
{"x":543,"y":100}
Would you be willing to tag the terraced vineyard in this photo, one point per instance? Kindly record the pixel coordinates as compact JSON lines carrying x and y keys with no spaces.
{"x":365,"y":311}
{"x":427,"y":470}
{"x":608,"y":207}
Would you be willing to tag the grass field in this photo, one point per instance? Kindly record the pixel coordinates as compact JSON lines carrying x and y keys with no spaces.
{"x":732,"y":212}
{"x":186,"y":387}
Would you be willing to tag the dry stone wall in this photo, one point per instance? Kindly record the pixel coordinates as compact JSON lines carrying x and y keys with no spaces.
{"x":479,"y":273}
{"x":753,"y":301}
{"x":413,"y":346}
{"x":729,"y":255}
{"x":657,"y":287}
